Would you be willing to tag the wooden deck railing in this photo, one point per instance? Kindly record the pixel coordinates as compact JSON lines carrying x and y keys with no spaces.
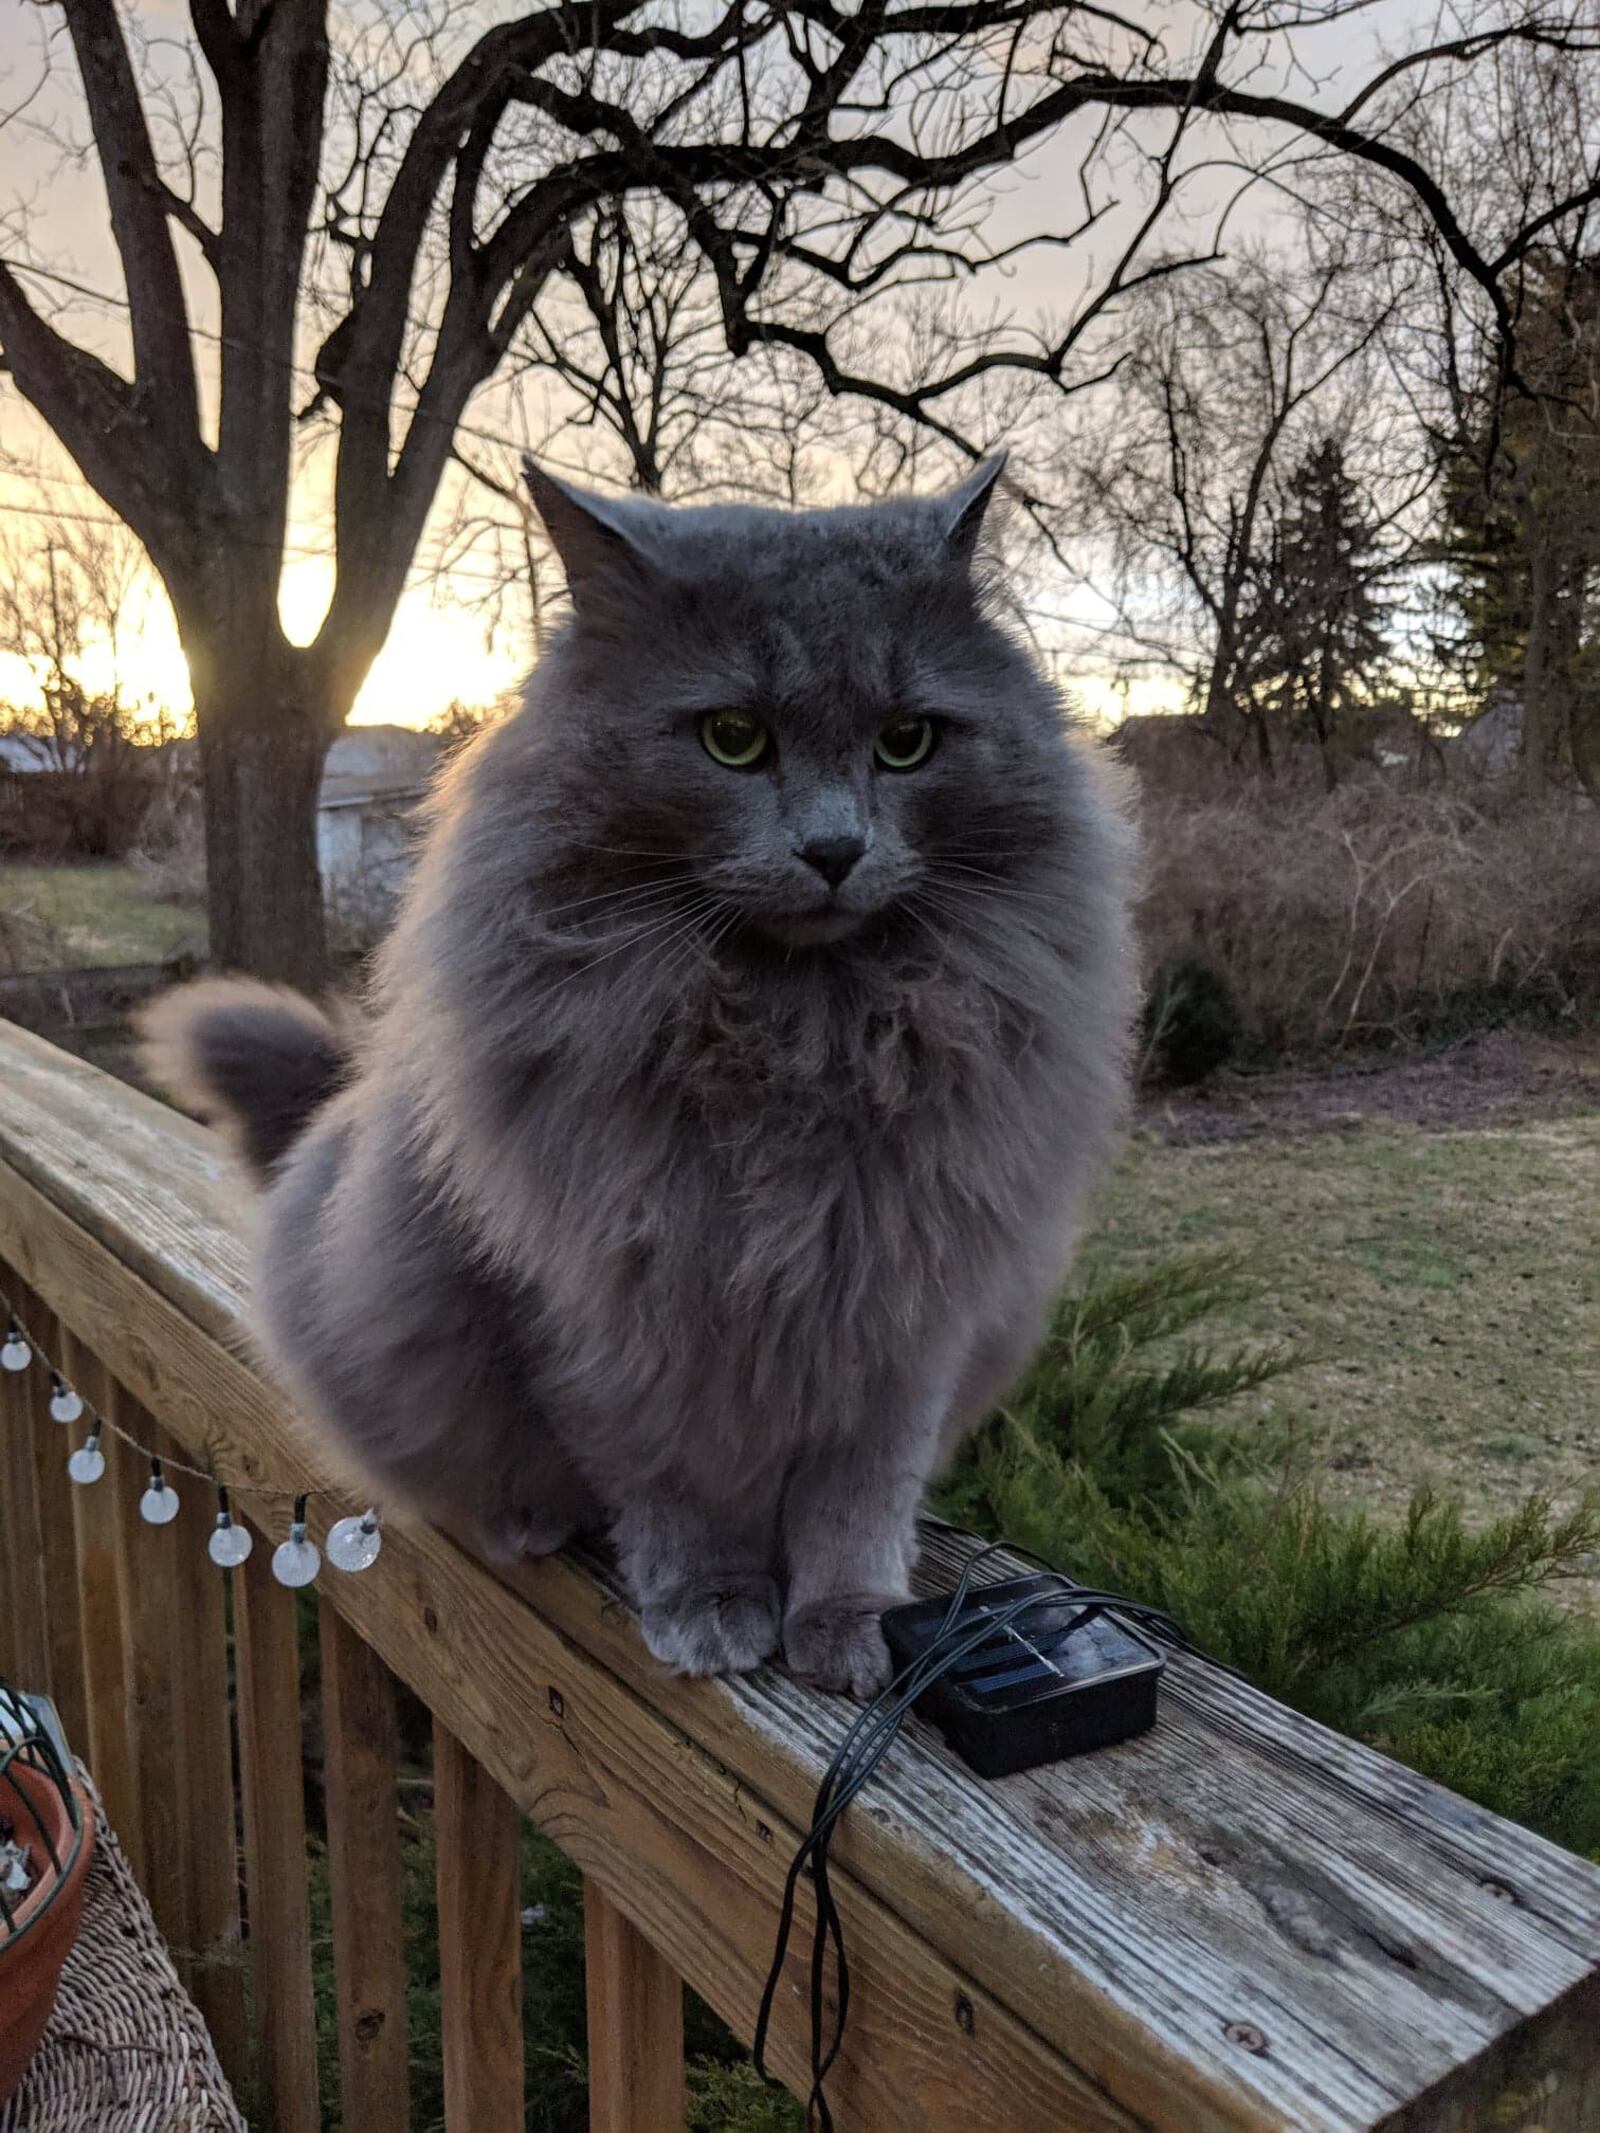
{"x":1242,"y":1921}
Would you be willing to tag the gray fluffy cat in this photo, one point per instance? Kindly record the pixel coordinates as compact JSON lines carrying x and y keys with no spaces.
{"x":752,"y":1028}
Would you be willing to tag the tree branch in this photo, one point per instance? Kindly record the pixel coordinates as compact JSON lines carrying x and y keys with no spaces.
{"x":138,"y":200}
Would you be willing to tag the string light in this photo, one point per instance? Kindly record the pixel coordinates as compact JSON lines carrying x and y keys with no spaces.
{"x":296,"y":1561}
{"x":65,"y":1405}
{"x":88,"y":1462}
{"x":353,"y":1541}
{"x":158,"y":1506}
{"x":229,"y":1544}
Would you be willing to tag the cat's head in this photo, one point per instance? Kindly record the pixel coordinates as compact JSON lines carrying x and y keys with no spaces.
{"x":809,"y":716}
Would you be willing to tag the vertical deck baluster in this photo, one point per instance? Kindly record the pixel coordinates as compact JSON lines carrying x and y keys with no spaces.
{"x":480,"y":1942}
{"x":369,"y":1964}
{"x":58,"y":1561}
{"x":204,"y":1765}
{"x":635,"y":2006}
{"x":98,"y":1511}
{"x":10,"y":1542}
{"x":24,"y":1644}
{"x":147,"y":1572}
{"x":267,"y":1670}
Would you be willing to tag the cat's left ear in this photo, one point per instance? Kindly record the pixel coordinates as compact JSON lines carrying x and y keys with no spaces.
{"x":589,"y":533}
{"x":965,"y":506}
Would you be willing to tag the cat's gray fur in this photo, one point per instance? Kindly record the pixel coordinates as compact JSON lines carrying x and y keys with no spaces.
{"x":713,"y":1213}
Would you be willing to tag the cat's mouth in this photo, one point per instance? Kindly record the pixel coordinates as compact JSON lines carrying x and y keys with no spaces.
{"x":811,"y":929}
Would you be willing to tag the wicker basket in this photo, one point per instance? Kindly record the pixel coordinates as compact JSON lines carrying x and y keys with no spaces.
{"x":46,"y":1842}
{"x":125,"y":2050}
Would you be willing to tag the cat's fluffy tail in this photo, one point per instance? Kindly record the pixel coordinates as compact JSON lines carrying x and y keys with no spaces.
{"x":255,"y":1059}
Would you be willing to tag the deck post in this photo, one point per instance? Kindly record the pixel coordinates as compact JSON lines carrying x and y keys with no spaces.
{"x":635,"y":2006}
{"x":479,"y":1834}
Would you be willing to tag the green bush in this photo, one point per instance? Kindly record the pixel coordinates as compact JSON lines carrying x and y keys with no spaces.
{"x":1191,"y":1023}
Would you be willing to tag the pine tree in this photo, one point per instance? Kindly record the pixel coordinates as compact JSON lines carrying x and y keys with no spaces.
{"x":1521,"y":526}
{"x":1318,"y":614}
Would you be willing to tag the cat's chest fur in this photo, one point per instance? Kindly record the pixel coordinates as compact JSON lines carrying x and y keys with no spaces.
{"x":789,"y":1207}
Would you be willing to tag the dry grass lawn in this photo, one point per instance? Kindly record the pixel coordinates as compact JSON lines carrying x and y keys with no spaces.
{"x":90,"y":916}
{"x":1446,"y":1285}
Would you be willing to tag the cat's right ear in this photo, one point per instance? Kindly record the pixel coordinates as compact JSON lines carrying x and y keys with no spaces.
{"x":591,"y":535}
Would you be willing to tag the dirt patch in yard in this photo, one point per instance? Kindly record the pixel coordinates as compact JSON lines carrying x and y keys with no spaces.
{"x":1501,"y":1078}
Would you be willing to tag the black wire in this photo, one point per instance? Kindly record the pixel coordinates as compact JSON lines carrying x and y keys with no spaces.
{"x":861,"y":1752}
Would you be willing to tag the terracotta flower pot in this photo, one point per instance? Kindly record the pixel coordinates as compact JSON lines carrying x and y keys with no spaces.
{"x":45,"y":1923}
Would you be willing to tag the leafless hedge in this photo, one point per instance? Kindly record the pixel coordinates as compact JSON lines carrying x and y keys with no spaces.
{"x":1380,"y":909}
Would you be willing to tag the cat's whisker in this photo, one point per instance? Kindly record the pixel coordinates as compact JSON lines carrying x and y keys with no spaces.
{"x":999,"y":891}
{"x":678,"y":949}
{"x":658,"y":879}
{"x":620,"y":899}
{"x":632,"y":940}
{"x":631,"y":851}
{"x":972,"y":897}
{"x":719,"y":924}
{"x":926,"y":904}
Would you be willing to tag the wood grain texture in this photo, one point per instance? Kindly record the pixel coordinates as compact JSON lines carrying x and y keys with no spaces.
{"x":213,"y":1944}
{"x":97,"y":1511}
{"x":155,"y":1658}
{"x":363,"y":1817}
{"x":24,"y":1632}
{"x":478,"y":1829}
{"x":58,"y":1563}
{"x":267,"y":1671}
{"x":634,"y":1999}
{"x":13,"y":1412}
{"x":1241,"y":1921}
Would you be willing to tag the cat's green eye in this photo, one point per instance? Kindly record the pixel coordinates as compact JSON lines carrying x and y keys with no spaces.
{"x":733,"y":738}
{"x":904,"y":743}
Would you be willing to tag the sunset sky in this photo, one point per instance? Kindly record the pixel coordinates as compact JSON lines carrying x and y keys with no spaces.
{"x":442,"y":644}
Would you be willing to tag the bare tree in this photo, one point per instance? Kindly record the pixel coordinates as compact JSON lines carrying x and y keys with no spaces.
{"x":1509,"y":398}
{"x":407,"y":183}
{"x":1233,"y":378}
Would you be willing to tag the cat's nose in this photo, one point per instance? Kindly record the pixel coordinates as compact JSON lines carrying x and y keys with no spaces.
{"x":833,"y":857}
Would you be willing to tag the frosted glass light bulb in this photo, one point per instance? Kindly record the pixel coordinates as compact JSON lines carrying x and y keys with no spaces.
{"x":87,"y":1463}
{"x":353,"y":1542}
{"x":15,"y":1354}
{"x":65,"y":1406}
{"x":296,"y":1561}
{"x":229,"y":1544}
{"x":158,"y":1506}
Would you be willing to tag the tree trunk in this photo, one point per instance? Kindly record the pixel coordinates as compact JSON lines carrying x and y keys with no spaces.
{"x":261,"y":769}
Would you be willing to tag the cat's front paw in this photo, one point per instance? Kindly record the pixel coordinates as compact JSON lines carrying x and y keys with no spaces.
{"x":838,"y":1645}
{"x":715,"y":1625}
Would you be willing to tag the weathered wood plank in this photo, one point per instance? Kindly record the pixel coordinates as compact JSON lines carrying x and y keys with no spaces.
{"x":58,"y":1562}
{"x":363,"y":1815}
{"x":12,"y":1548}
{"x":267,"y":1671}
{"x":479,"y":1834}
{"x":635,"y":2025}
{"x":212,"y":1936}
{"x":1132,"y":1925}
{"x":149,"y":1591}
{"x":24,"y":1633}
{"x":97,"y":1511}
